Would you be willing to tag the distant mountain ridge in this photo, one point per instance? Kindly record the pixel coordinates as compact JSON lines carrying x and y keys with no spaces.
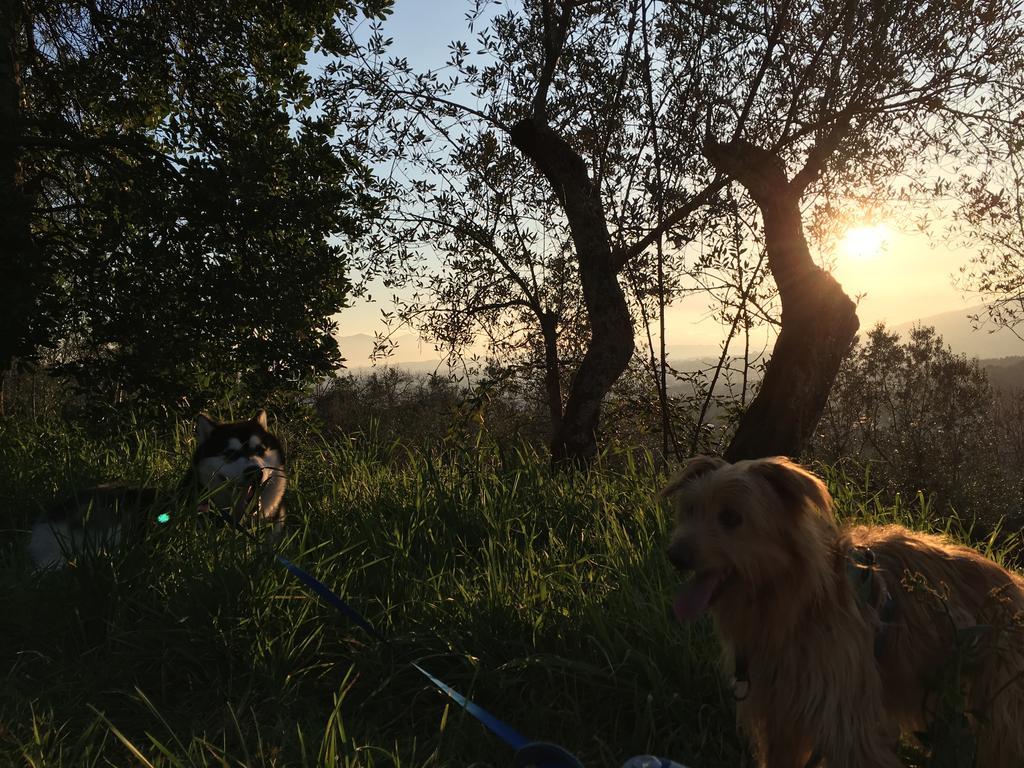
{"x":999,"y":350}
{"x":1005,"y":373}
{"x":956,"y":330}
{"x":412,"y":354}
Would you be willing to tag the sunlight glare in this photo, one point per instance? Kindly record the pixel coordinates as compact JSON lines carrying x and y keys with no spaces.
{"x":865,"y":242}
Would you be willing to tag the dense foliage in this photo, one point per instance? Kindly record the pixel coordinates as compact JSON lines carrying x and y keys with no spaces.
{"x":918,"y":418}
{"x":185,"y":206}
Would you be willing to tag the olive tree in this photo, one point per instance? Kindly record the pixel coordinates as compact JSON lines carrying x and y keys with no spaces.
{"x":606,"y":132}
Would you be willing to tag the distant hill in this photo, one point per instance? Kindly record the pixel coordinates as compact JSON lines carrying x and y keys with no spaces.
{"x":355,"y":349}
{"x":414,"y":356}
{"x":680,"y":352}
{"x":956,"y":330}
{"x":411,"y":354}
{"x":1005,"y":373}
{"x":1000,"y":352}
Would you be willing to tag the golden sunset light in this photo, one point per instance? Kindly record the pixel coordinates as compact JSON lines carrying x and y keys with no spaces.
{"x":865,"y":242}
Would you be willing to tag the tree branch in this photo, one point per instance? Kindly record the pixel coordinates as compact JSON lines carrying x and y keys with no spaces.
{"x":819,"y":154}
{"x":454,"y":105}
{"x":554,"y":43}
{"x":679,"y":214}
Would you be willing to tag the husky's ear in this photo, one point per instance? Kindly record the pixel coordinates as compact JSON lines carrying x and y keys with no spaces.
{"x":204,"y":427}
{"x":261,"y":418}
{"x":690,"y":471}
{"x":795,"y":485}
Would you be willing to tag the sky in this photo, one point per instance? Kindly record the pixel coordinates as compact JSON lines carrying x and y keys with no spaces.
{"x":905,"y":277}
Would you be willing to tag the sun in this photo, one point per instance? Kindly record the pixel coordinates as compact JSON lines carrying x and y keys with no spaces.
{"x":865,"y":242}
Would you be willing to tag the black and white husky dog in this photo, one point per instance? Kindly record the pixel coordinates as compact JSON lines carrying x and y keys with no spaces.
{"x":237,"y":474}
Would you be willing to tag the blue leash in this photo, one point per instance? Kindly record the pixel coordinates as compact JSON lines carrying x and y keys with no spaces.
{"x":329,"y":596}
{"x":499,"y":728}
{"x":529,"y":754}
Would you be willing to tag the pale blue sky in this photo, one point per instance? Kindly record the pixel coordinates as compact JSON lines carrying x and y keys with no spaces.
{"x":422,"y":29}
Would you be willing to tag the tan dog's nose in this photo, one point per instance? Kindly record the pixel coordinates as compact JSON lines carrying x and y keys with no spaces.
{"x":680,"y":554}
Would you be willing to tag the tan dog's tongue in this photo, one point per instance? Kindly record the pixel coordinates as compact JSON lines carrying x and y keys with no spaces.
{"x":695,"y":595}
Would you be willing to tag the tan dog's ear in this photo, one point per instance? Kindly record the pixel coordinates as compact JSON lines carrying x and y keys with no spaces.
{"x":261,"y":418}
{"x":690,"y":471}
{"x":794,"y":484}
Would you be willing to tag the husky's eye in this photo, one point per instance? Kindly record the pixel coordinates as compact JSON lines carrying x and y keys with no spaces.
{"x":259,"y":450}
{"x":729,"y":518}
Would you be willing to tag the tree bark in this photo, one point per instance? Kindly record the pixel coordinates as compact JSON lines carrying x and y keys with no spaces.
{"x":819,"y":321}
{"x":19,"y":273}
{"x":552,"y":370}
{"x":611,"y":327}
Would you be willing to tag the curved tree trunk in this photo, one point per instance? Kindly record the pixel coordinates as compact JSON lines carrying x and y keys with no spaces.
{"x":819,"y":321}
{"x":611,"y":327}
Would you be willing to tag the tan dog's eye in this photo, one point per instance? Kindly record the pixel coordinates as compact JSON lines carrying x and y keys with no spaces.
{"x":729,"y":518}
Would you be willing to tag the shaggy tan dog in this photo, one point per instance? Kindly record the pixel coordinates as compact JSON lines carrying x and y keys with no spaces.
{"x":839,"y":639}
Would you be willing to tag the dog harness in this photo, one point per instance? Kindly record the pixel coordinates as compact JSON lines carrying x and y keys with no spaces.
{"x":870,"y":589}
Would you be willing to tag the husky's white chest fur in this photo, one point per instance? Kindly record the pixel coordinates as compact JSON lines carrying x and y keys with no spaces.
{"x":238,"y":472}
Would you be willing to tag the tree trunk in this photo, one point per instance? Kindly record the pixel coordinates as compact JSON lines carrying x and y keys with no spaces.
{"x":552,"y":370}
{"x":819,"y":321}
{"x":19,"y":278}
{"x":611,"y":327}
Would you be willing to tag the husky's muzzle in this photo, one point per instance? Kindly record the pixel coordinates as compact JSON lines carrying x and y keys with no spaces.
{"x":241,"y":494}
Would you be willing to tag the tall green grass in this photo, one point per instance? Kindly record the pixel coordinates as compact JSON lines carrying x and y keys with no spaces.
{"x":545,"y":597}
